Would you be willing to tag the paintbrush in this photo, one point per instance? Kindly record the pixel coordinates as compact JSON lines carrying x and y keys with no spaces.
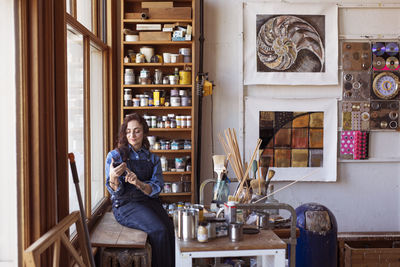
{"x":264,"y":166}
{"x":271,"y":174}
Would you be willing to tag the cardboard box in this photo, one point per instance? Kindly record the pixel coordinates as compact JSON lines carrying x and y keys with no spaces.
{"x":157,"y":4}
{"x":154,"y":36}
{"x":170,"y":13}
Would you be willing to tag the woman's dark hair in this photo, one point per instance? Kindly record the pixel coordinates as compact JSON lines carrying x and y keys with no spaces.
{"x":122,"y":143}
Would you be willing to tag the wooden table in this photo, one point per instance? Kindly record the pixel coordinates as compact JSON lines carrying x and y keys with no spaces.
{"x":266,"y":246}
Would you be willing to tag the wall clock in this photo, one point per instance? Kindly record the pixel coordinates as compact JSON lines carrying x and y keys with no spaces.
{"x":386,"y":85}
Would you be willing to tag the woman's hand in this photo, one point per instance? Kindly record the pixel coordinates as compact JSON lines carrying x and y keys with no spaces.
{"x":133,"y":179}
{"x":116,"y":172}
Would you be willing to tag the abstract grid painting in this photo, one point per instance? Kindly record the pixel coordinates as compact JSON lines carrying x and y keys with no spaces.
{"x":292,"y":139}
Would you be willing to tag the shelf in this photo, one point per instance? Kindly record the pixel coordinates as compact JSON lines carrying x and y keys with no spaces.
{"x":156,"y":20}
{"x":172,"y":151}
{"x":176,"y":194}
{"x":156,"y":85}
{"x":370,"y":160}
{"x":176,"y":173}
{"x":158,"y":108}
{"x":157,"y":64}
{"x":158,"y":43}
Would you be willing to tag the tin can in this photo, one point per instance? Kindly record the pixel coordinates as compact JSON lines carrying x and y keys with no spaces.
{"x":158,"y":76}
{"x":185,"y":77}
{"x":156,"y":97}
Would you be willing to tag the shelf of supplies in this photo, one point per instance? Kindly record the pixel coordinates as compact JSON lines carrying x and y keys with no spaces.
{"x":157,"y":64}
{"x":158,"y":108}
{"x":176,"y":173}
{"x":172,"y":151}
{"x":156,"y":85}
{"x":176,"y":194}
{"x":159,"y":43}
{"x":370,"y":160}
{"x":157,"y":20}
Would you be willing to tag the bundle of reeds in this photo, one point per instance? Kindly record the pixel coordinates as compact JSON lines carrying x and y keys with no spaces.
{"x":231,"y":148}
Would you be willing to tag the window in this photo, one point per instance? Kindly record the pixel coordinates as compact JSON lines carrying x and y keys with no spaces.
{"x":76,"y":137}
{"x":86,"y":94}
{"x":96,"y":124}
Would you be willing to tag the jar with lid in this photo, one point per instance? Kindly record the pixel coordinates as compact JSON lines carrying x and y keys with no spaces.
{"x":157,"y":145}
{"x":183,"y":122}
{"x":178,"y":122}
{"x":131,"y":55}
{"x":129,"y":76}
{"x":165,"y":80}
{"x":127,"y":97}
{"x":144,"y":101}
{"x":202,"y":232}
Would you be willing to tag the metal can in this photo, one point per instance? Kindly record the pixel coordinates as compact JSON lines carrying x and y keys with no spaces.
{"x":158,"y":79}
{"x":185,"y":77}
{"x":156,"y":98}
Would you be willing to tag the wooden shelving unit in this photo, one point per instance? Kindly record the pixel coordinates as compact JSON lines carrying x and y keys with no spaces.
{"x":160,"y":47}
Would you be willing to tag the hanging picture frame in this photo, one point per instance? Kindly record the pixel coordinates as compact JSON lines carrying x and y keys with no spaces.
{"x":255,"y":124}
{"x":290,"y":44}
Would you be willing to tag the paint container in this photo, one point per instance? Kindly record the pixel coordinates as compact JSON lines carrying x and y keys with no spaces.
{"x":185,"y":51}
{"x":173,"y":79}
{"x":156,"y":98}
{"x":175,"y":101}
{"x":187,"y":59}
{"x":176,"y":187}
{"x":182,"y":92}
{"x":174,"y":92}
{"x":235,"y":232}
{"x":174,"y":58}
{"x":185,"y":77}
{"x":185,"y":101}
{"x":167,"y":57}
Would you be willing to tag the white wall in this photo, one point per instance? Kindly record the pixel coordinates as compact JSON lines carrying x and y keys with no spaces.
{"x":8,"y":195}
{"x":366,"y":196}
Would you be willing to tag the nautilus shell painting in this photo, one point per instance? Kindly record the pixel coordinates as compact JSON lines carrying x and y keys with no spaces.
{"x":290,"y":43}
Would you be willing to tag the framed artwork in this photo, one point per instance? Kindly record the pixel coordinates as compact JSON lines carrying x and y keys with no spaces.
{"x":290,"y":44}
{"x":299,"y":136}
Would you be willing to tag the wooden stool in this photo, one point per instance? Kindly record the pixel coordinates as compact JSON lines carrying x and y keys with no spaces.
{"x":125,"y":257}
{"x":120,"y":245}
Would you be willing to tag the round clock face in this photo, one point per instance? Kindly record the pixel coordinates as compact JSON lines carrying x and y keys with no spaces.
{"x":385,"y":85}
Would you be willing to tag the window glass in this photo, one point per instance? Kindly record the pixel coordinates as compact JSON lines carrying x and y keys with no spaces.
{"x":84,"y":13}
{"x":96,"y":125}
{"x":68,"y":6}
{"x":76,"y":139}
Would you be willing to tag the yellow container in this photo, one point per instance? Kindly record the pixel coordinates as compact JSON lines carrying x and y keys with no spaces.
{"x":156,"y":98}
{"x":185,"y":77}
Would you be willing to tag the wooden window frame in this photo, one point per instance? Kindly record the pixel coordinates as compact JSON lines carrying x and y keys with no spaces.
{"x":41,"y":70}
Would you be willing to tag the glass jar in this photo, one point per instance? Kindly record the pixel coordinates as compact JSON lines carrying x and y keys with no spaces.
{"x":202,"y":232}
{"x":127,"y":97}
{"x":174,"y":145}
{"x":187,"y":145}
{"x":129,"y":76}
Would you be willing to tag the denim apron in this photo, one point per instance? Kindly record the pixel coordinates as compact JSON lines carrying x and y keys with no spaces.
{"x":136,"y":210}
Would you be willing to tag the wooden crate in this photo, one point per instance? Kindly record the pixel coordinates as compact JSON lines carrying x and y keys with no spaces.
{"x":170,"y":13}
{"x":154,"y":36}
{"x":358,"y":254}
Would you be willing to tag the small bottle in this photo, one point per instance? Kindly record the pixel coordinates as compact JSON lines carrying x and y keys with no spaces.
{"x":202,"y":233}
{"x":126,"y":59}
{"x":178,"y":122}
{"x":164,"y":163}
